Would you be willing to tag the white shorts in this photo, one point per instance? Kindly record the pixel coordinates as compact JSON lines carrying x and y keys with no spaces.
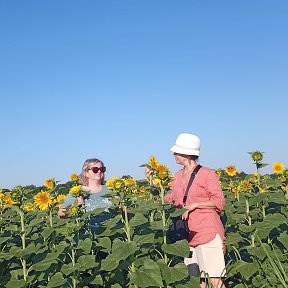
{"x":207,"y":259}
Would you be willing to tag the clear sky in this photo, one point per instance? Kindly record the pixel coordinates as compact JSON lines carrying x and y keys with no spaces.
{"x":119,"y":80}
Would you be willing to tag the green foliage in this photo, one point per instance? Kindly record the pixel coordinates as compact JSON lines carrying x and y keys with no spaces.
{"x":131,"y":248}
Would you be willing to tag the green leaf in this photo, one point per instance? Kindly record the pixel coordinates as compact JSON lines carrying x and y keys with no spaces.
{"x":60,"y":248}
{"x":147,"y":276}
{"x":257,"y":281}
{"x":85,"y":245}
{"x":258,"y":252}
{"x":121,"y":250}
{"x":45,"y":264}
{"x":247,"y":269}
{"x":246,"y":228}
{"x":233,"y":239}
{"x":17,"y":252}
{"x":109,"y":263}
{"x":275,"y":219}
{"x":138,"y":220}
{"x":105,"y":243}
{"x":4,"y":239}
{"x":142,"y":239}
{"x":283,"y":238}
{"x":15,"y":283}
{"x":179,"y":248}
{"x":97,"y":280}
{"x":47,"y":232}
{"x":6,"y":256}
{"x":158,"y":225}
{"x":67,"y":269}
{"x":56,"y":280}
{"x":87,"y":262}
{"x":173,"y":274}
{"x":192,"y":282}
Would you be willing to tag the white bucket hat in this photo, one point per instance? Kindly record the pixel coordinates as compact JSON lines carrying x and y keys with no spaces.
{"x":187,"y":144}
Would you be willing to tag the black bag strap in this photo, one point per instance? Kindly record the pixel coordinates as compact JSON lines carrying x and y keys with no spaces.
{"x":193,"y":174}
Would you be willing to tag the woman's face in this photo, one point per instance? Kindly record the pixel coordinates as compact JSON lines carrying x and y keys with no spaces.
{"x":96,"y":171}
{"x":180,"y":158}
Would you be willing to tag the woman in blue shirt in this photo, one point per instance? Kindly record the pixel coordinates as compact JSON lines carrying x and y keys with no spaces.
{"x":91,"y":179}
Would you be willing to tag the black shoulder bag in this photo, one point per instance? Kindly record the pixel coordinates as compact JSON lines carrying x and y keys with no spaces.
{"x":178,"y":229}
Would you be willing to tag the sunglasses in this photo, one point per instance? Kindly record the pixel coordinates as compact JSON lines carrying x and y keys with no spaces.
{"x":97,"y":169}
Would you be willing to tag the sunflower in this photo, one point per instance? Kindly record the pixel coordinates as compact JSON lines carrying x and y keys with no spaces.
{"x":28,"y":207}
{"x":74,"y":177}
{"x":50,"y":183}
{"x":278,"y":167}
{"x":43,"y":200}
{"x":231,"y":170}
{"x":257,"y":156}
{"x":110,"y":183}
{"x":118,"y":184}
{"x":75,"y":190}
{"x":61,"y":198}
{"x":252,"y":179}
{"x":73,"y":211}
{"x":142,"y":189}
{"x":153,"y":163}
{"x":8,"y":201}
{"x":245,"y":185}
{"x":130,"y":182}
{"x":162,"y":172}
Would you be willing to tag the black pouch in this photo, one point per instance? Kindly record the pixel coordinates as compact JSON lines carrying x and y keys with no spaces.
{"x":178,"y":229}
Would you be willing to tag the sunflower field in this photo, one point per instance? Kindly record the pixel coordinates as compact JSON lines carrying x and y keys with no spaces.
{"x":131,"y":248}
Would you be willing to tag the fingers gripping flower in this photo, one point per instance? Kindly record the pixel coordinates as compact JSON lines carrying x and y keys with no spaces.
{"x":160,"y":173}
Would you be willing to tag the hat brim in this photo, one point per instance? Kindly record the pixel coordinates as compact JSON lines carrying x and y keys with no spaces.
{"x":185,"y":151}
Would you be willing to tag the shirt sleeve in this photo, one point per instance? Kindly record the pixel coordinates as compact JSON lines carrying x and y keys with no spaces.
{"x":216,"y":195}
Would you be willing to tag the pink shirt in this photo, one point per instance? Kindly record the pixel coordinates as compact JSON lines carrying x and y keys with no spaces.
{"x":203,"y":223}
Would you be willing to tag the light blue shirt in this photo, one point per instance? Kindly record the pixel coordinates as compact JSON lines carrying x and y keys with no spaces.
{"x":91,"y":202}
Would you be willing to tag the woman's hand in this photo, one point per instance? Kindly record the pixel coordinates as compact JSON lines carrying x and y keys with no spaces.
{"x":189,"y":208}
{"x":62,"y":212}
{"x":80,"y":201}
{"x":148,"y":173}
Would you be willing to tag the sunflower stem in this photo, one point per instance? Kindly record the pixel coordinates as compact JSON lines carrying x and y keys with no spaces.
{"x":23,"y":239}
{"x":74,"y":280}
{"x":128,"y":233}
{"x":163,"y":220}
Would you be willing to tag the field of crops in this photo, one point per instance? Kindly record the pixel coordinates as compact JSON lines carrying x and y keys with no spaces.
{"x":131,"y":249}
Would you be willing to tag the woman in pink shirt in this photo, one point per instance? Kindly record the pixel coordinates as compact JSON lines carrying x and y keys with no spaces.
{"x":204,"y":203}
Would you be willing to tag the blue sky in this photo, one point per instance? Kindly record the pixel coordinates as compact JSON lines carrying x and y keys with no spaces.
{"x":119,"y":80}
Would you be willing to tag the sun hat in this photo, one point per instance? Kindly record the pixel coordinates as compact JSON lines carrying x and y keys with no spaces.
{"x":187,"y":144}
